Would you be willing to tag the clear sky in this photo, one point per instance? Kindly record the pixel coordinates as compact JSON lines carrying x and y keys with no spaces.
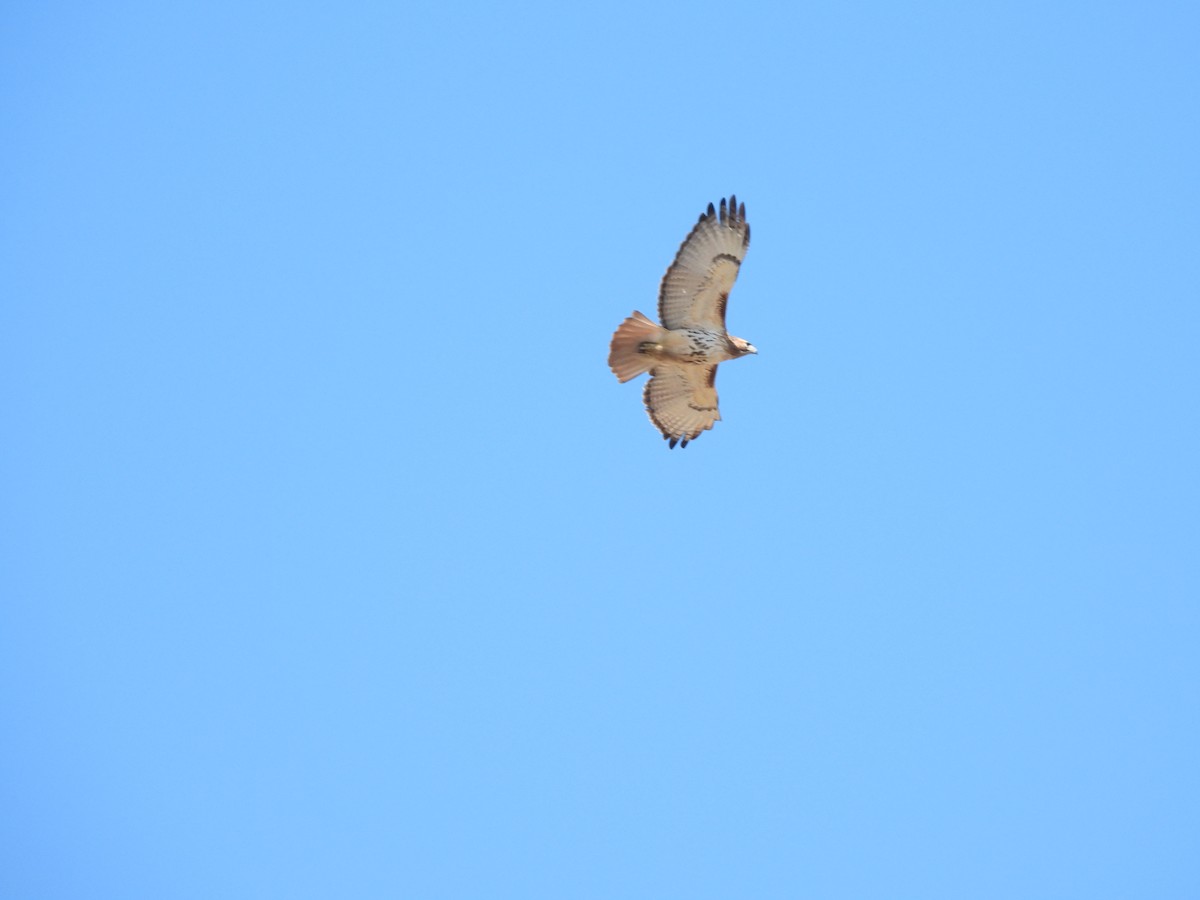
{"x":336,"y":563}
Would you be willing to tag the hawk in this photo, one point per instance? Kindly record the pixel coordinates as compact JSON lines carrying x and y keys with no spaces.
{"x":682,"y":353}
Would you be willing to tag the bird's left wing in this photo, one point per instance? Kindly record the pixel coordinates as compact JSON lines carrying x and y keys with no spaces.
{"x":682,"y":401}
{"x":696,"y":287}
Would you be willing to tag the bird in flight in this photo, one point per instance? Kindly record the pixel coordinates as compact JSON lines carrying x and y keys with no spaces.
{"x":683,"y":352}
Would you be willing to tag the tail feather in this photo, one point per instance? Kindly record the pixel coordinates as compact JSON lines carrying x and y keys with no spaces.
{"x":626,"y":355}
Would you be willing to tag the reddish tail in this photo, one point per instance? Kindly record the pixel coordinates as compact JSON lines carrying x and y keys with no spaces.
{"x":627,"y":357}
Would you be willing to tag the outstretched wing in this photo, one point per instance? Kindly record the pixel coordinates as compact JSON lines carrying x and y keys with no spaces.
{"x":682,"y":401}
{"x":696,"y":287}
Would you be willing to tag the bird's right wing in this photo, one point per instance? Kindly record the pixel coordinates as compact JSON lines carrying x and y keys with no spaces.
{"x":696,"y":288}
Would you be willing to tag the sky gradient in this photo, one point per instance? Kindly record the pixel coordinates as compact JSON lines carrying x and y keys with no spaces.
{"x":336,"y":563}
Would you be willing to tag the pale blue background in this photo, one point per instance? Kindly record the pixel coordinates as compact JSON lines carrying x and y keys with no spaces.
{"x":337,"y":564}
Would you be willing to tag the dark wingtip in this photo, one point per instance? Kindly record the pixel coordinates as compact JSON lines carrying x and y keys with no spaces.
{"x":683,"y":444}
{"x":736,"y":210}
{"x":672,"y":442}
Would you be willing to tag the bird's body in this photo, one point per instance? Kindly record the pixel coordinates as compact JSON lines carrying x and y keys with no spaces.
{"x":683,"y":352}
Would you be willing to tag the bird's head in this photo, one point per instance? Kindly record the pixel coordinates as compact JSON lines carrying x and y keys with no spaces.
{"x":742,"y":345}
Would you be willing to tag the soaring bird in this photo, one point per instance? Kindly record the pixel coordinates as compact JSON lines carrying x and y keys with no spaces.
{"x":683,"y":352}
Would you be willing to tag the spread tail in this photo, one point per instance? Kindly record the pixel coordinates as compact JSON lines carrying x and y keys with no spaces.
{"x":627,"y":357}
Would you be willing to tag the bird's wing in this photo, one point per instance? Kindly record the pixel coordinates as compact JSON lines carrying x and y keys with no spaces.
{"x":682,"y":401}
{"x":696,"y":287}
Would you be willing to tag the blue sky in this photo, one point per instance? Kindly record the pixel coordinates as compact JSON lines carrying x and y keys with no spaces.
{"x":337,"y":564}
